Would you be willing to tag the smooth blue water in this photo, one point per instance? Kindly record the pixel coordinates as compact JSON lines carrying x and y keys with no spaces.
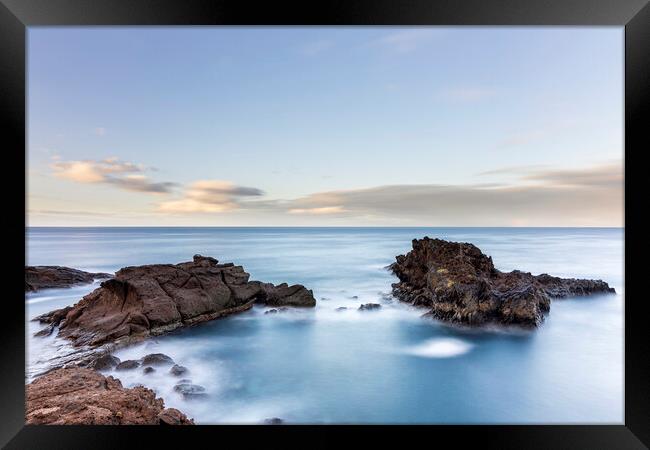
{"x":388,"y":366}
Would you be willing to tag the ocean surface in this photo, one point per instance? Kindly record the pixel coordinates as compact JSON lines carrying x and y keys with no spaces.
{"x":320,"y":365}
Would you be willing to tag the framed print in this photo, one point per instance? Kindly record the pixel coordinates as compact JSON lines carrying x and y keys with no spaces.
{"x":310,"y":223}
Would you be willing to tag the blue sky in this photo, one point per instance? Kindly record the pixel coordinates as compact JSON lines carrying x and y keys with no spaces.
{"x":325,"y":126}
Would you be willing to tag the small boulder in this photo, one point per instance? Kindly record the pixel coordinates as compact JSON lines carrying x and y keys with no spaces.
{"x":47,"y":331}
{"x":188,"y":390}
{"x":148,"y":369}
{"x":172,"y":416}
{"x":271,"y":311}
{"x":273,"y":421}
{"x":127,"y":365}
{"x":341,"y":308}
{"x":177,"y":370}
{"x":156,"y":359}
{"x":104,"y":362}
{"x":369,"y":306}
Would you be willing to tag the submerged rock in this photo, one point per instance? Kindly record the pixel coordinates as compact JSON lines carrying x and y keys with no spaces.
{"x":143,"y":301}
{"x":157,"y":359}
{"x":369,"y":306}
{"x":460,"y":284}
{"x":177,"y":370}
{"x":127,"y":365}
{"x":105,"y":362}
{"x":147,"y":370}
{"x":78,"y":396}
{"x":341,"y":308}
{"x":273,"y":421}
{"x":189,"y":390}
{"x":46,"y":277}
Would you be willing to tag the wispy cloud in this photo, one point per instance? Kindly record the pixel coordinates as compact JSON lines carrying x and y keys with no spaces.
{"x":123,"y":174}
{"x":209,"y":196}
{"x":515,"y":170}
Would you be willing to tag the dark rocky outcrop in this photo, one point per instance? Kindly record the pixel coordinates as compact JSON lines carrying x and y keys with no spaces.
{"x":46,"y":277}
{"x":147,"y":370}
{"x":458,"y":283}
{"x":78,"y":396}
{"x":143,"y":301}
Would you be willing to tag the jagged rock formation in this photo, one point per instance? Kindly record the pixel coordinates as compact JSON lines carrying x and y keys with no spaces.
{"x":142,"y":301}
{"x":46,"y":277}
{"x":460,"y":284}
{"x":78,"y":396}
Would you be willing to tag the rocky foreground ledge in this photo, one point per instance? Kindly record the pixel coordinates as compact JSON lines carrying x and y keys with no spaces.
{"x":142,"y":301}
{"x":460,"y":284}
{"x":49,"y":277}
{"x":77,"y":396}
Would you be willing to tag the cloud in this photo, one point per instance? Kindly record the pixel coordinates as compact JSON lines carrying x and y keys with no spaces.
{"x":51,"y":212}
{"x":582,"y":197}
{"x":318,"y":211}
{"x":209,"y":196}
{"x":113,"y":171}
{"x":604,"y":176}
{"x":514,"y":170}
{"x":140,"y":183}
{"x":405,"y":41}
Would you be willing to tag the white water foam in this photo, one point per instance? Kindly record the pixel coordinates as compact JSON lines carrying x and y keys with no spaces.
{"x":440,"y":348}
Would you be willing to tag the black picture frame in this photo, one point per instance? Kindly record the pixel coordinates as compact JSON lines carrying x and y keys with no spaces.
{"x":16,"y":15}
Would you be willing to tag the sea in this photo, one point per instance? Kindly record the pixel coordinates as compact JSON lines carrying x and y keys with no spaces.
{"x":387,"y":366}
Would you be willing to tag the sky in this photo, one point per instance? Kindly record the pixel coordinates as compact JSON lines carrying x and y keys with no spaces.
{"x":325,"y":126}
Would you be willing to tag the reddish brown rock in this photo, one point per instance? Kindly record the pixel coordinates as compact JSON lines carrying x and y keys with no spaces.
{"x":141,"y":301}
{"x":45,"y":277}
{"x":77,"y":396}
{"x":460,"y":284}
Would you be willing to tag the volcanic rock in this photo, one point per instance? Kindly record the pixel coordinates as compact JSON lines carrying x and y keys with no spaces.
{"x":460,"y":284}
{"x":105,"y":362}
{"x":128,"y":365}
{"x":45,"y":277}
{"x":157,"y":359}
{"x":78,"y":396}
{"x":143,"y":301}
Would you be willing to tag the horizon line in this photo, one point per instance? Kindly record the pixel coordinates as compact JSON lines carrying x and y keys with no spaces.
{"x":319,"y":226}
